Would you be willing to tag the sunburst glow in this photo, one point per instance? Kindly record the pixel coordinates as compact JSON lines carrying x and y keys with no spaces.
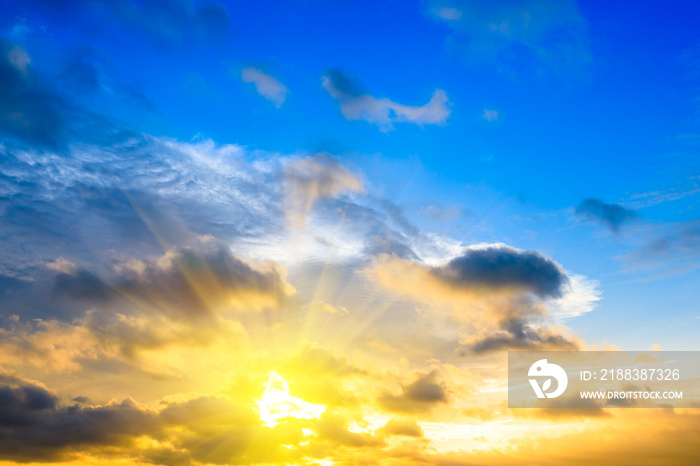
{"x":276,"y":403}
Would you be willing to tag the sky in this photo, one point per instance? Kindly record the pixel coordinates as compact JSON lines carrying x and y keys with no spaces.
{"x":308,"y":232}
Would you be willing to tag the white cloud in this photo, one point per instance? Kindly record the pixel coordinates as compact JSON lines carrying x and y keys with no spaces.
{"x":62,"y":265}
{"x":381,"y":111}
{"x":19,"y":59}
{"x":490,"y":115}
{"x":447,"y":13}
{"x":580,"y":298}
{"x":266,"y":85}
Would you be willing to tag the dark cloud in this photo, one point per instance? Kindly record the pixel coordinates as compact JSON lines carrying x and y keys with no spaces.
{"x":345,"y":83}
{"x":402,"y":427}
{"x":503,"y":267}
{"x":173,"y":281}
{"x":613,"y":216}
{"x":518,"y":334}
{"x":34,"y":426}
{"x":83,"y":285}
{"x":423,"y":394}
{"x":170,"y":299}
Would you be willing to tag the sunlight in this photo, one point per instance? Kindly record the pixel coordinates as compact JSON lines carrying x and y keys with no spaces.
{"x":276,"y":403}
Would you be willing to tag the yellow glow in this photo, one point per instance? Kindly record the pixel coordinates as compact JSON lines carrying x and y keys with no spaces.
{"x":276,"y":403}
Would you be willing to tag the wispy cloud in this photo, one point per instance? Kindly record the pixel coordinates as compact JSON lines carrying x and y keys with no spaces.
{"x":266,"y":85}
{"x":312,"y":178}
{"x":490,"y":115}
{"x":355,"y":104}
{"x":683,"y":189}
{"x":613,"y":216}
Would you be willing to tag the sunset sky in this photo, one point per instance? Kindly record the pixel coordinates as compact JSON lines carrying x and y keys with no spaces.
{"x":308,"y":232}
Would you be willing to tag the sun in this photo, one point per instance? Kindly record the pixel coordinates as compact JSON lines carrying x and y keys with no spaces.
{"x":276,"y":403}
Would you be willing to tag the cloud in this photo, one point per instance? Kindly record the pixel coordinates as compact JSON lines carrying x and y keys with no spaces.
{"x":664,"y":249}
{"x":517,"y":334}
{"x":640,"y":200}
{"x":537,"y":34}
{"x":402,"y":427}
{"x":580,"y":298}
{"x":500,"y":296}
{"x":35,"y":426}
{"x":421,"y":395}
{"x":444,"y":214}
{"x":266,"y":85}
{"x":207,"y":414}
{"x":62,"y":265}
{"x":447,"y":13}
{"x":187,"y":296}
{"x":613,"y":216}
{"x":657,"y":249}
{"x":490,"y":115}
{"x":501,"y":266}
{"x":334,"y":428}
{"x":166,"y":193}
{"x":19,"y":59}
{"x":387,"y":241}
{"x":357,"y":105}
{"x":187,"y":283}
{"x":310,"y":179}
{"x":163,"y":193}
